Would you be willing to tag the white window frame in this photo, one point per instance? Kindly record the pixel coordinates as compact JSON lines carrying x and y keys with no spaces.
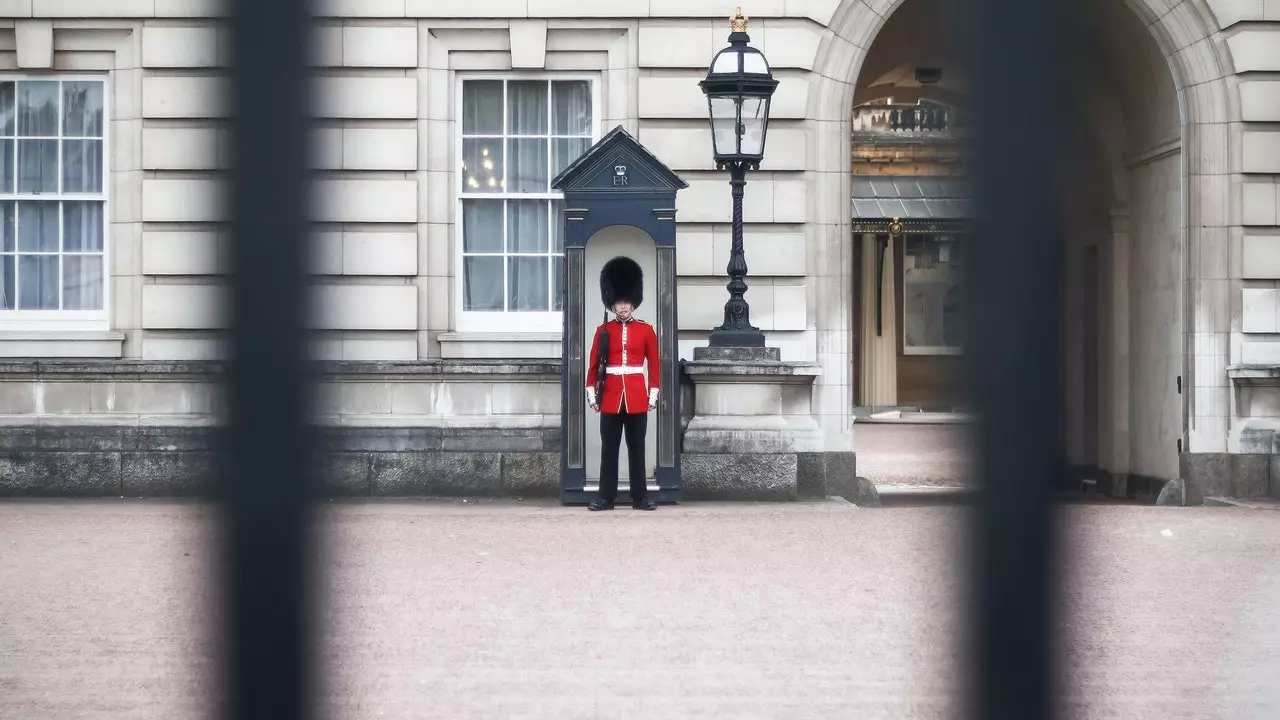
{"x":70,"y":320}
{"x":505,"y":321}
{"x":925,"y":350}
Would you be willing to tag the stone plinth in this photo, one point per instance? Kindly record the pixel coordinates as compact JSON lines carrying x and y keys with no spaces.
{"x":753,"y":435}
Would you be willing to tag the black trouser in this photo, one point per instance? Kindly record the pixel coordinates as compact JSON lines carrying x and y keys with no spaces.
{"x":612,"y":426}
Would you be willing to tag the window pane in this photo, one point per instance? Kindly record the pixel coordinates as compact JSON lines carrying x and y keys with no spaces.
{"x":931,"y":293}
{"x":37,"y":227}
{"x":953,"y":317}
{"x":529,"y":172}
{"x":482,"y":226}
{"x":482,"y":107}
{"x":527,"y":107}
{"x":557,"y":283}
{"x":37,"y":166}
{"x":38,"y":109}
{"x":482,"y":283}
{"x":7,"y":149}
{"x":571,"y":108}
{"x":9,"y":234}
{"x":82,"y":227}
{"x":565,"y":151}
{"x":529,"y":283}
{"x":7,"y":108}
{"x":7,"y":296}
{"x":82,"y":109}
{"x":527,"y":226}
{"x":557,"y":226}
{"x":82,"y":282}
{"x":39,"y":277}
{"x":754,"y":63}
{"x":725,"y":62}
{"x":482,"y":166}
{"x":81,"y":166}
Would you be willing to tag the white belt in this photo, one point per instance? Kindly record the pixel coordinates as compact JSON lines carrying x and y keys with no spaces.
{"x":624,"y":370}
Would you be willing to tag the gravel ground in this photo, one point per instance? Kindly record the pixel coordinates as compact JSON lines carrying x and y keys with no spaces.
{"x":808,"y":610}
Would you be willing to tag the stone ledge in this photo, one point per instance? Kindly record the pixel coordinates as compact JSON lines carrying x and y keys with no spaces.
{"x":1255,"y":374}
{"x":55,"y":370}
{"x":705,"y":371}
{"x":106,"y":344}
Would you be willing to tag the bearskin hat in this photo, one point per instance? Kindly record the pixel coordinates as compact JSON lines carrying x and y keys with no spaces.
{"x":621,"y":279}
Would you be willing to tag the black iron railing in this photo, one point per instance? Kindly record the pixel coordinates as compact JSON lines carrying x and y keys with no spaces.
{"x":1015,"y":273}
{"x":900,"y":119}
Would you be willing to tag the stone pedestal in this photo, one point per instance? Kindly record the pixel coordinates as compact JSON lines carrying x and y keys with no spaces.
{"x":753,"y":434}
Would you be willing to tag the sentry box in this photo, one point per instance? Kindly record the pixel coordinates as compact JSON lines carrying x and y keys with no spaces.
{"x":620,"y":200}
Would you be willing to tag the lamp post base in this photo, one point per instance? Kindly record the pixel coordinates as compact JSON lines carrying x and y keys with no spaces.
{"x":736,"y":337}
{"x":738,"y":353}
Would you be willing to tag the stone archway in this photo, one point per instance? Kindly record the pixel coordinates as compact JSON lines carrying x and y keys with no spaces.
{"x":1198,"y":68}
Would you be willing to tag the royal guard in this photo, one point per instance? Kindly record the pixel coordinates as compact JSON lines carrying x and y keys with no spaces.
{"x":616,"y":381}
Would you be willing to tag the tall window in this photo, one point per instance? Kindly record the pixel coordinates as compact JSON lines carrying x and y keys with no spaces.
{"x":932,"y":305}
{"x":517,"y":135}
{"x":52,"y":199}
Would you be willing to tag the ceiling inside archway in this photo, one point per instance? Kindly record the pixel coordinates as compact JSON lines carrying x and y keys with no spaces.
{"x":1117,"y":70}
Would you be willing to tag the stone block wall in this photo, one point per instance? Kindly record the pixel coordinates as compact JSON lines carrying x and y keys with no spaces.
{"x":137,"y":428}
{"x":385,"y":251}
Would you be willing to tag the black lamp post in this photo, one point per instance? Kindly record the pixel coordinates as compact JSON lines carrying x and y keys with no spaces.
{"x":738,"y":87}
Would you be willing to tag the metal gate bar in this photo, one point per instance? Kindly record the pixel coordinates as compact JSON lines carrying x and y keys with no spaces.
{"x":268,"y":459}
{"x":1014,"y":348}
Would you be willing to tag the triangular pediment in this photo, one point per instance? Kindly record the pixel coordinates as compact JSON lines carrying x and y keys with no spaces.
{"x":618,"y":164}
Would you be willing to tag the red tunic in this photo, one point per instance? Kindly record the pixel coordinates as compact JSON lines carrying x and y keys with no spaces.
{"x":630,"y":345}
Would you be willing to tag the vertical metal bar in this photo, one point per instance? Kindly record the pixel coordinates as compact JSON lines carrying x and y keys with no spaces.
{"x":265,"y":476}
{"x":1014,"y":347}
{"x":575,"y":279}
{"x":665,"y":317}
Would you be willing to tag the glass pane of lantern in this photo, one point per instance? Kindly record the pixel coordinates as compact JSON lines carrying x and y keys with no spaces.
{"x":724,"y":125}
{"x":726,"y":63}
{"x":753,"y":126}
{"x":754,"y":63}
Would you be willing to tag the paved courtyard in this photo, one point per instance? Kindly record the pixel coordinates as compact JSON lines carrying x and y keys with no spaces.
{"x":814,"y":610}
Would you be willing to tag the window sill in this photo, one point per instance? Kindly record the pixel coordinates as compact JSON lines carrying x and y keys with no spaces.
{"x":500,"y":345}
{"x":932,"y":351}
{"x":52,"y":344}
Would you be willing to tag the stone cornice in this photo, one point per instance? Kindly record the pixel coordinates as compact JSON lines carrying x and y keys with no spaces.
{"x":726,"y":371}
{"x":145,"y":370}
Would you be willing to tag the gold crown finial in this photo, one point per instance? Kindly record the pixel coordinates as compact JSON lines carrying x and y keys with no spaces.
{"x":738,"y":22}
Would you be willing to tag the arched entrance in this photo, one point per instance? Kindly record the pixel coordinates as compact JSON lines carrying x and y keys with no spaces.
{"x":1139,"y":81}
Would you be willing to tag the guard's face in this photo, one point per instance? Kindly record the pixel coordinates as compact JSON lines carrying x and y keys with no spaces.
{"x":623,"y":309}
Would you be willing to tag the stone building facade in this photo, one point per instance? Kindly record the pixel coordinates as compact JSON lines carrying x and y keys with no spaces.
{"x":438,"y":128}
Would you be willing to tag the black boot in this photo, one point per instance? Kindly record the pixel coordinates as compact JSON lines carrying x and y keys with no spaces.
{"x":645,"y":504}
{"x":600,"y":504}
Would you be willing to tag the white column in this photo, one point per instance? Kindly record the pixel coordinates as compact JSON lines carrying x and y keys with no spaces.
{"x":1116,"y":365}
